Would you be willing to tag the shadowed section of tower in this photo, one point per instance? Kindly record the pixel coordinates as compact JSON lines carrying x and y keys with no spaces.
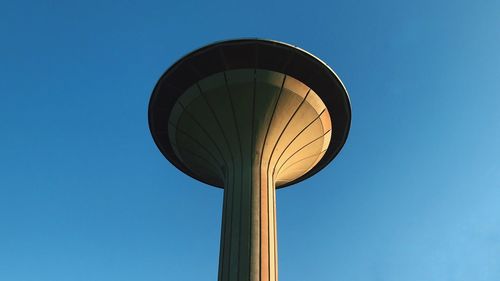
{"x":249,"y":116}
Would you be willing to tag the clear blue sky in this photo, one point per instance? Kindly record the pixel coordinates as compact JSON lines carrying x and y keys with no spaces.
{"x":413,"y":196}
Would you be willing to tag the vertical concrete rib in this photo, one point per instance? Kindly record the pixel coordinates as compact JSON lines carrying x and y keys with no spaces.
{"x":230,"y":178}
{"x":273,"y":191}
{"x":269,"y":186}
{"x":255,"y":193}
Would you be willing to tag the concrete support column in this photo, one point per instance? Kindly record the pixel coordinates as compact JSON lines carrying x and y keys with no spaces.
{"x":248,"y":238}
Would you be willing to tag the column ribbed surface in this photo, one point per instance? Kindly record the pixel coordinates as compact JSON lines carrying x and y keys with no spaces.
{"x":253,"y":130}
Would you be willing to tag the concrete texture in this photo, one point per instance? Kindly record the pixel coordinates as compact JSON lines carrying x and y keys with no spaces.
{"x":253,"y":130}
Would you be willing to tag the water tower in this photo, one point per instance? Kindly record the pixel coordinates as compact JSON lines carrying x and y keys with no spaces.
{"x":249,"y":116}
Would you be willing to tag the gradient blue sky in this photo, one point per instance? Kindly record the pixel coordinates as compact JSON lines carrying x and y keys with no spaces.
{"x":85,"y":194}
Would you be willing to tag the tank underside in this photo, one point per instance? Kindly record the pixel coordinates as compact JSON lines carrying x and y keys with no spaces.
{"x":238,"y":116}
